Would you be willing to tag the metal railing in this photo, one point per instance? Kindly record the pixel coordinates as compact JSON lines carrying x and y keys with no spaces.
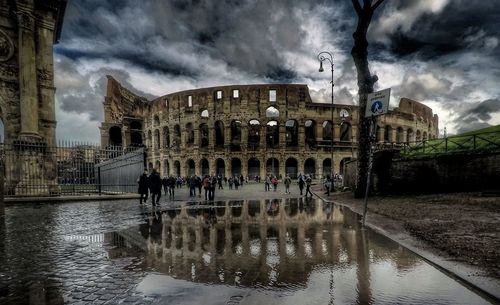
{"x":486,"y":141}
{"x":35,"y":169}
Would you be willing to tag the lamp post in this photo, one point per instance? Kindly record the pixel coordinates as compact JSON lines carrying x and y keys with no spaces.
{"x":327,"y":56}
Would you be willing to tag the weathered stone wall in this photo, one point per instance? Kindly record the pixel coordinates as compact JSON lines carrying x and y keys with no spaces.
{"x":173,"y":129}
{"x":28,"y":30}
{"x":447,"y":173}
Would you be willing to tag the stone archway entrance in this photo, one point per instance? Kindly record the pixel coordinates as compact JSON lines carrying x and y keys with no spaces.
{"x":253,"y":167}
{"x":310,"y":167}
{"x":291,"y":165}
{"x":220,"y":167}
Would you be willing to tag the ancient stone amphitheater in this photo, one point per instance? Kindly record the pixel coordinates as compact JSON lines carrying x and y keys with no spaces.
{"x":250,"y":130}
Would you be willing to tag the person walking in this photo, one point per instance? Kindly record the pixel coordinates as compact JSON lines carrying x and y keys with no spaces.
{"x":274,"y":181}
{"x":164,"y":184}
{"x":155,"y":187}
{"x":143,"y":187}
{"x":308,"y":185}
{"x":219,"y":182}
{"x":206,"y":186}
{"x":301,"y":182}
{"x":230,"y":182}
{"x":328,"y":184}
{"x":192,"y":186}
{"x":199,"y":184}
{"x":287,"y":183}
{"x":213,"y":185}
{"x":171,"y":187}
{"x":267,"y":183}
{"x":236,"y":182}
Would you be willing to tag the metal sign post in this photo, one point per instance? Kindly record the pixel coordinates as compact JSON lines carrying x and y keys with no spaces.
{"x":377,"y":104}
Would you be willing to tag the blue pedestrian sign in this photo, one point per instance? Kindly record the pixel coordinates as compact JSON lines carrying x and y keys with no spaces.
{"x":378,"y":103}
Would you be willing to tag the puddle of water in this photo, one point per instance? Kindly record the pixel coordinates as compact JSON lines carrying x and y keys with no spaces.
{"x":286,"y":251}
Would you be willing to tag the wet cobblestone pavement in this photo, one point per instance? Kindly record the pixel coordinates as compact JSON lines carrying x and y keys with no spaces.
{"x":259,"y":251}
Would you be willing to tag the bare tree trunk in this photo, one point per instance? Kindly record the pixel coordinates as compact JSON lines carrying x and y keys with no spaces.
{"x":359,"y":54}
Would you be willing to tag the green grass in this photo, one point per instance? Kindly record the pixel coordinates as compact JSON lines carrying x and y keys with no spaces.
{"x":486,"y":139}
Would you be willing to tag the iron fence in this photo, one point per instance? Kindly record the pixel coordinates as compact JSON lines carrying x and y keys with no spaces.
{"x":36,"y":169}
{"x":486,"y":141}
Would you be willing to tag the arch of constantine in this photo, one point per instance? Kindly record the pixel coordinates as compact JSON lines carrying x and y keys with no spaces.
{"x":250,"y":130}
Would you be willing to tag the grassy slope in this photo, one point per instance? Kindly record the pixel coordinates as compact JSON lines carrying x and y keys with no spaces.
{"x":478,"y":140}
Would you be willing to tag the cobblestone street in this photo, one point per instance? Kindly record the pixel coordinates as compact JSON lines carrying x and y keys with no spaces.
{"x":56,"y":252}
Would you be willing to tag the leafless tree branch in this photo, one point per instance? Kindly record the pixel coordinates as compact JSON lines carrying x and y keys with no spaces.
{"x":357,"y":7}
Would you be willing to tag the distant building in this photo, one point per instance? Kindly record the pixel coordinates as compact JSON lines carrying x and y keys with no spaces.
{"x":249,"y":129}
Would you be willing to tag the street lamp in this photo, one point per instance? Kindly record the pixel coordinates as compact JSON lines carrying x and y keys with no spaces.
{"x":322,"y":56}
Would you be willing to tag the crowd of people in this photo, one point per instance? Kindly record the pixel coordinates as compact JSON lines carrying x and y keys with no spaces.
{"x":206,"y":185}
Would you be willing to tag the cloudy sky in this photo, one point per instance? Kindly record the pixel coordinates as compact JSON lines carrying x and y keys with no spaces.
{"x":445,"y":53}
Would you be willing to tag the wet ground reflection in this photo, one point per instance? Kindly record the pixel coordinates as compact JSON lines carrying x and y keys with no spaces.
{"x":277,"y":252}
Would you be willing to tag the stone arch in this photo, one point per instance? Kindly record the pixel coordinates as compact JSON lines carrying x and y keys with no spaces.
{"x":236,"y":166}
{"x":253,"y":134}
{"x":177,"y":168}
{"x":177,"y":136}
{"x":409,"y":135}
{"x":272,"y":134}
{"x":135,"y":133}
{"x":292,"y":133}
{"x":150,"y":139}
{"x":219,"y":134}
{"x":158,"y":166}
{"x":327,"y":130}
{"x":388,"y":133}
{"x":189,"y":134}
{"x":166,"y":137}
{"x":310,"y":167}
{"x":253,"y":167}
{"x":166,"y":167}
{"x":156,"y":121}
{"x":204,"y":114}
{"x":273,"y":166}
{"x":418,"y":136}
{"x":190,"y":167}
{"x":399,"y":135}
{"x":292,"y":167}
{"x":327,"y":167}
{"x":204,"y":166}
{"x":310,"y":132}
{"x":424,"y":136}
{"x":346,"y":132}
{"x":157,"y":139}
{"x":115,"y":136}
{"x":220,"y":167}
{"x":235,"y":135}
{"x":204,"y":138}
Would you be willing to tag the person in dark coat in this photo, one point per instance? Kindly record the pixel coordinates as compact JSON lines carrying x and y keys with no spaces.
{"x":143,"y":187}
{"x":164,"y":183}
{"x":301,"y":182}
{"x":155,"y":187}
{"x":171,"y":187}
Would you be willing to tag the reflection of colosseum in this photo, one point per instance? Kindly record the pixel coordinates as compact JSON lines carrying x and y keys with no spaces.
{"x":249,"y":129}
{"x":267,"y":242}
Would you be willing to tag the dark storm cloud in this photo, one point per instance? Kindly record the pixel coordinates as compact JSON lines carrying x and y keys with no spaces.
{"x":477,"y":116}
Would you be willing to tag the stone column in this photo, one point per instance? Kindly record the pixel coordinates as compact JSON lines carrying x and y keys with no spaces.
{"x":336,"y":132}
{"x":28,"y":90}
{"x":244,"y":136}
{"x":381,"y":132}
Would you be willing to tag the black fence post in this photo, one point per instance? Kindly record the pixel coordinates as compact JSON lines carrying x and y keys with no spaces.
{"x":446,"y":145}
{"x":474,"y":141}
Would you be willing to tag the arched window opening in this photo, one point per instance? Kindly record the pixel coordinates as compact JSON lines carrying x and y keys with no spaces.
{"x":235,"y":135}
{"x":253,"y":134}
{"x":253,"y":167}
{"x":177,"y":168}
{"x":166,"y":137}
{"x":400,"y":135}
{"x":150,"y":139}
{"x":345,"y":132}
{"x":327,"y":131}
{"x":388,"y":134}
{"x":166,"y":168}
{"x":327,"y":167}
{"x":115,"y":136}
{"x":220,"y":167}
{"x":291,"y":167}
{"x":409,"y":135}
{"x":204,"y":140}
{"x":310,"y":132}
{"x":292,"y":133}
{"x":135,"y":133}
{"x":273,"y":166}
{"x":177,"y":136}
{"x":219,"y":134}
{"x":189,"y":134}
{"x":156,"y":121}
{"x":424,"y":136}
{"x":191,"y":167}
{"x":236,"y":166}
{"x":272,"y":134}
{"x":310,"y":167}
{"x":204,"y":114}
{"x":205,"y":170}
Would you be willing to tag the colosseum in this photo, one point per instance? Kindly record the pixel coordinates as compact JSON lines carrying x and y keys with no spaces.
{"x":250,"y":130}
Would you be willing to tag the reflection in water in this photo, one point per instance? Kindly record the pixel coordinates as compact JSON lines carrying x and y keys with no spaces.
{"x":303,"y":252}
